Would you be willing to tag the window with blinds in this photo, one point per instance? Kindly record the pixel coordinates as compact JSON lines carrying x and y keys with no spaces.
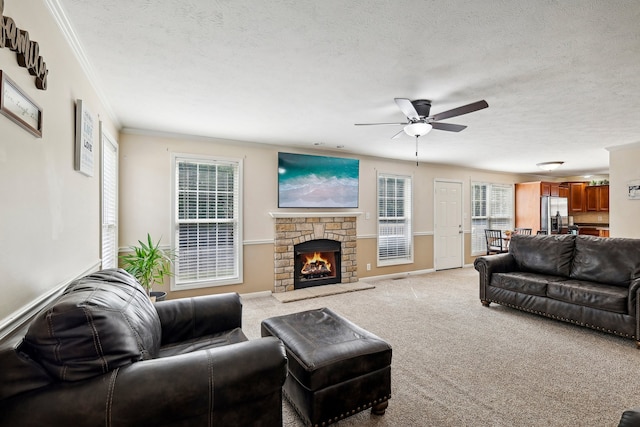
{"x":491,"y":208}
{"x":109,"y":176}
{"x":395,"y":236}
{"x":207,"y":235}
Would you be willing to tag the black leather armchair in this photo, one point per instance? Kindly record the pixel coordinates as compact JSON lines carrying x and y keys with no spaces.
{"x":103,"y":355}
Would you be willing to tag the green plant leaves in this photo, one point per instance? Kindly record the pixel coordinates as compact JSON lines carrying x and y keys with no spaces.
{"x":148,"y":263}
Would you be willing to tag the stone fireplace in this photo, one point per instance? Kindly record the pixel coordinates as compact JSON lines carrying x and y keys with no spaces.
{"x":313,"y":249}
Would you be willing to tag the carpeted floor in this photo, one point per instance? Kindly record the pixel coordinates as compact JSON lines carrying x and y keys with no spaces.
{"x":457,"y":363}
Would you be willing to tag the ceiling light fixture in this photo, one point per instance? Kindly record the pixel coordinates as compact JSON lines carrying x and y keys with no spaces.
{"x":549,"y":166}
{"x":417,"y":129}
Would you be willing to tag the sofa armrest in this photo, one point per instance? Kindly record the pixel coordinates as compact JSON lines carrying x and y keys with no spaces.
{"x":185,"y":318}
{"x":634,"y":304}
{"x":489,"y":264}
{"x":184,"y":390}
{"x":630,"y":418}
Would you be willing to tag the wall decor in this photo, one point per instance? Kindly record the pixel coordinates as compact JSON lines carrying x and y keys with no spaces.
{"x":27,"y":51}
{"x":307,"y":181}
{"x":633,"y":188}
{"x":16,"y":105}
{"x":85,"y":141}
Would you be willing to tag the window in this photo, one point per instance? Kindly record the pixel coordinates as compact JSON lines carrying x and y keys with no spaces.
{"x":491,"y":208}
{"x":395,"y":238}
{"x":207,"y":233}
{"x":109,"y":176}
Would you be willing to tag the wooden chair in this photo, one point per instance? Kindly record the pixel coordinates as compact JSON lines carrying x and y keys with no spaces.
{"x":520,"y":230}
{"x":495,"y":242}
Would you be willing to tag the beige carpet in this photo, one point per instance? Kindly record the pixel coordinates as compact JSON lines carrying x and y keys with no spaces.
{"x":456,"y":363}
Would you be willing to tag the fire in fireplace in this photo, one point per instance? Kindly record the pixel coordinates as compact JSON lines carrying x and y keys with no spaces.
{"x":317,"y":262}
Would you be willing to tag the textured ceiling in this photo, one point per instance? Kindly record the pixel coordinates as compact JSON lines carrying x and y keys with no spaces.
{"x":562,"y":78}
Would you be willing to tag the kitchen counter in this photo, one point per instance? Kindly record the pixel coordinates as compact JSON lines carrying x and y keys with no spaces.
{"x":593,"y":229}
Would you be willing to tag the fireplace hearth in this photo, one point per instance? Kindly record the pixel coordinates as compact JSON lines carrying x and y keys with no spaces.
{"x":317,"y":262}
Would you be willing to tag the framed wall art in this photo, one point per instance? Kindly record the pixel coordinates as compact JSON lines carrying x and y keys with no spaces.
{"x":85,"y":140}
{"x":17,"y":106}
{"x":633,"y":188}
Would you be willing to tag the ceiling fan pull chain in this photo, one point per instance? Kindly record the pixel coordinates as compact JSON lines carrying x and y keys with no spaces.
{"x":417,"y":150}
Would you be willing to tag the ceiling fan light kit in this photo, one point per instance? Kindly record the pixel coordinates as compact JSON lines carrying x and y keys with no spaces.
{"x":417,"y":129}
{"x":549,"y":166}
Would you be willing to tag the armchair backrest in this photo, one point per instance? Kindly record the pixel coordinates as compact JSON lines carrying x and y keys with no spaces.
{"x":101,"y":322}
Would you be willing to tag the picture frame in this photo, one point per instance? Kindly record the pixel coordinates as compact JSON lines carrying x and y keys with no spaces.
{"x":633,"y":189}
{"x":85,"y":140}
{"x":19,"y":107}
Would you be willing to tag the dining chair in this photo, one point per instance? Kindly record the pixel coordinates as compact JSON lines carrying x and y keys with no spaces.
{"x":495,"y":242}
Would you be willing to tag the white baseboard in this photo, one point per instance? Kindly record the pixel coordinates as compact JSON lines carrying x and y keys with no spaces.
{"x":19,"y":317}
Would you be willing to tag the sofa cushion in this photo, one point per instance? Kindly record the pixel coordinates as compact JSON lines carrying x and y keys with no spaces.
{"x":544,"y":254}
{"x":614,"y":261}
{"x":101,"y":322}
{"x":589,"y":294}
{"x":524,"y":282}
{"x":219,"y":339}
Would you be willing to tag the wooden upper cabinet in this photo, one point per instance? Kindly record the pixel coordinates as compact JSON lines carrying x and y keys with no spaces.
{"x":591,"y":196}
{"x":604,"y":198}
{"x":550,"y":189}
{"x":597,"y":198}
{"x":563,"y":191}
{"x":545,"y":188}
{"x":576,"y":197}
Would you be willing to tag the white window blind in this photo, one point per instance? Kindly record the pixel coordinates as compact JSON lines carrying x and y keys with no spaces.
{"x":492,"y":208}
{"x":109,"y":175}
{"x":395,"y":236}
{"x":207,"y":236}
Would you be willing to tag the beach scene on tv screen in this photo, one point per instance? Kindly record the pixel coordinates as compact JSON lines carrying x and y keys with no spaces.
{"x":307,"y":181}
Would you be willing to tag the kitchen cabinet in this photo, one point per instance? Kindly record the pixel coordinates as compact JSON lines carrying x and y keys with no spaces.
{"x":563,"y":191}
{"x":550,"y":189}
{"x":577,"y":197}
{"x":597,"y":198}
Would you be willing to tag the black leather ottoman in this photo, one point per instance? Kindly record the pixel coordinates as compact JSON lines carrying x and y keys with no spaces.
{"x":336,"y":368}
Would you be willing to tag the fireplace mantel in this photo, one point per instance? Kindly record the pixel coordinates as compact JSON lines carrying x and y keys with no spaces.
{"x":312,"y":214}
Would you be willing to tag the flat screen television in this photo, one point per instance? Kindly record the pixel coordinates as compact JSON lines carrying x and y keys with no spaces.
{"x":306,"y":181}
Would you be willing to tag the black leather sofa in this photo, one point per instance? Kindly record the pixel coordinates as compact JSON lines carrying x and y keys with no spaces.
{"x":630,"y":418}
{"x":103,"y":355}
{"x":585,"y":280}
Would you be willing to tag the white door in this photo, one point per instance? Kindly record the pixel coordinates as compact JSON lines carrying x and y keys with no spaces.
{"x":448,"y":225}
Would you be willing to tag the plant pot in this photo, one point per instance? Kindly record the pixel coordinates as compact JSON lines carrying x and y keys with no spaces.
{"x":157,"y":295}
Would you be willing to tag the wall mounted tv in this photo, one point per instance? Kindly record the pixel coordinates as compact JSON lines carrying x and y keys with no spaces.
{"x":306,"y":181}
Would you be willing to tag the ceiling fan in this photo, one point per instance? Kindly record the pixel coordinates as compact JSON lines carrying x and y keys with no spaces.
{"x":419,"y":122}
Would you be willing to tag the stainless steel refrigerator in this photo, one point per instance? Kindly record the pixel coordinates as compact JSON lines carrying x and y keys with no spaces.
{"x":554,"y":214}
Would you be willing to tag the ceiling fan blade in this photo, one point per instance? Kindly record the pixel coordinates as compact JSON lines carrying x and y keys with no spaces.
{"x":448,"y":127}
{"x":407,"y":108}
{"x":397,"y":135}
{"x":465,"y":109}
{"x":375,"y":124}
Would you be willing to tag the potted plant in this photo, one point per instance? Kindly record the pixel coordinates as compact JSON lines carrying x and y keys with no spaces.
{"x":149,"y":264}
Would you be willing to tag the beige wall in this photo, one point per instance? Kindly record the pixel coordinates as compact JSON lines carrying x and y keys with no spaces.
{"x":623,"y":212}
{"x":50,"y":213}
{"x":145,"y":202}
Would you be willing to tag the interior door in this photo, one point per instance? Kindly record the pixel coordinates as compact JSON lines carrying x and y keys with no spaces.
{"x":448,"y":225}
